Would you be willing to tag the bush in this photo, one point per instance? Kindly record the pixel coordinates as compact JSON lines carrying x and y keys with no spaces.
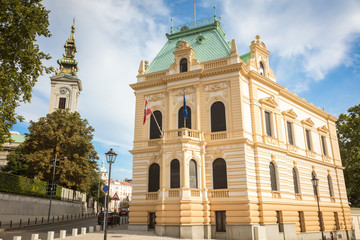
{"x":20,"y":185}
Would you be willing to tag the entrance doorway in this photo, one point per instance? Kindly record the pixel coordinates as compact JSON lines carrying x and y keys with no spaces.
{"x":152,"y":221}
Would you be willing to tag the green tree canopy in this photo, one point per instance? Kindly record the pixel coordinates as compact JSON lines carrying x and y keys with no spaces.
{"x":21,"y":22}
{"x":66,"y":136}
{"x":348,"y":128}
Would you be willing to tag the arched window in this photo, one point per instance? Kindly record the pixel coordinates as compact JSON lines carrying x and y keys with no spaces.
{"x":193,"y":174}
{"x":154,"y":178}
{"x":296,"y":181}
{"x":219,"y":174}
{"x":262,"y":69}
{"x":154,"y":129}
{"x":183,"y":65}
{"x":313,"y":176}
{"x":218,"y":121}
{"x":181,"y":117}
{"x":273,"y":177}
{"x":175,"y":174}
{"x":331,"y":190}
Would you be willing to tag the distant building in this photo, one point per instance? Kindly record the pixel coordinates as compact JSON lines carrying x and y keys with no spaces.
{"x":9,"y":147}
{"x":240,"y":165}
{"x":65,"y":84}
{"x":123,"y":190}
{"x":103,"y":172}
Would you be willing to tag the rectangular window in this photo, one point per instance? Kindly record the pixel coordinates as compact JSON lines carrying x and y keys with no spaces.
{"x":308,"y":139}
{"x":62,"y":102}
{"x":220,"y":221}
{"x":302,"y":221}
{"x":268,"y":123}
{"x":337,"y":224}
{"x":323,"y":142}
{"x":279,"y":221}
{"x":290,"y":133}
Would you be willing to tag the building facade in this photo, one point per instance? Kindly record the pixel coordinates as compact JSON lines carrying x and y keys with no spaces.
{"x":242,"y":166}
{"x":10,"y":146}
{"x":65,"y":85}
{"x":123,"y":190}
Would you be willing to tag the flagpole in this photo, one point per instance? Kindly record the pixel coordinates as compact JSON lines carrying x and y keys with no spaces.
{"x":154,"y":117}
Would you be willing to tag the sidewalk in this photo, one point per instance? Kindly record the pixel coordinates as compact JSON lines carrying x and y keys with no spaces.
{"x":120,"y":232}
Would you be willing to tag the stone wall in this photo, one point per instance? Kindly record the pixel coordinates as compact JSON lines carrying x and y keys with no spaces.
{"x":13,"y":204}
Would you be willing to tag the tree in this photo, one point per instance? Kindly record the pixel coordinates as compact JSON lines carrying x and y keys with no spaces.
{"x":67,"y":137}
{"x":15,"y":163}
{"x":95,"y":189}
{"x":348,"y":128}
{"x":21,"y":22}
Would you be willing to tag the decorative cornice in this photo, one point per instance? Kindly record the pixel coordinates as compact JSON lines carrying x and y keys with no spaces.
{"x":323,"y":129}
{"x":308,"y":122}
{"x":290,"y":113}
{"x":269,"y":101}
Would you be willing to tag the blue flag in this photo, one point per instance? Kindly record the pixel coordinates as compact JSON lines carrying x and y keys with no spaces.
{"x":184,"y":108}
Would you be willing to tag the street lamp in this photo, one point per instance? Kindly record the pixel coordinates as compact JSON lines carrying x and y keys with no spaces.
{"x":315,"y":183}
{"x":110,"y":158}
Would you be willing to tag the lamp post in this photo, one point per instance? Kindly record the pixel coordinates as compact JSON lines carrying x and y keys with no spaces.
{"x":110,"y":158}
{"x":315,"y":183}
{"x":52,"y":188}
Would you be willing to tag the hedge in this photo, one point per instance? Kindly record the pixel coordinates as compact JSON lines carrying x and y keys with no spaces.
{"x":10,"y":183}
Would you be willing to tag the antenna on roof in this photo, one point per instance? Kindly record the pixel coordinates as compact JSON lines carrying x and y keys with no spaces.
{"x":214,"y":13}
{"x":74,"y":21}
{"x":194,"y":14}
{"x":171,"y":28}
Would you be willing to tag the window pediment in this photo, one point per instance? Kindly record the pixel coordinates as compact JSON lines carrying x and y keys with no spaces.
{"x":290,"y":113}
{"x":308,"y":122}
{"x":269,"y":101}
{"x":323,"y":129}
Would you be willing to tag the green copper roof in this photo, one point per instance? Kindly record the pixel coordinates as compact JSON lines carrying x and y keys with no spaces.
{"x":213,"y":46}
{"x":245,"y":57}
{"x":68,"y":64}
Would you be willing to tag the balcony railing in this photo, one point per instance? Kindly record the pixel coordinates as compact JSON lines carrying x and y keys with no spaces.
{"x":195,"y":193}
{"x":183,"y":133}
{"x":151,"y":196}
{"x":222,"y":193}
{"x":174,"y":193}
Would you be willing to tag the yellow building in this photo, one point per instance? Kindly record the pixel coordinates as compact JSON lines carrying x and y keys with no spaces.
{"x":242,"y":167}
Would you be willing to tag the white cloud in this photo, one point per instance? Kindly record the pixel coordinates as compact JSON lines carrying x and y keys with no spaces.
{"x":310,"y":37}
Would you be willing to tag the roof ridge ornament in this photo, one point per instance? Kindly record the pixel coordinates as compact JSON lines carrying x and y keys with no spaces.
{"x":68,"y":64}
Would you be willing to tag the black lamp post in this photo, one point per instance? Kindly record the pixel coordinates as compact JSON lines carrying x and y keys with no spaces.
{"x":315,"y":183}
{"x":110,"y":158}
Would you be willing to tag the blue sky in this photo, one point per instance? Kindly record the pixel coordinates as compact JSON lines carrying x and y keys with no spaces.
{"x":314,"y":45}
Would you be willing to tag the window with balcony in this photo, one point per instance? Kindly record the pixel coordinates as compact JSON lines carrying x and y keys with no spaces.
{"x":154,"y":127}
{"x":273,"y":177}
{"x":181,"y":117}
{"x":218,"y":120}
{"x":175,"y":174}
{"x":193,"y":174}
{"x":154,"y":178}
{"x":219,"y":174}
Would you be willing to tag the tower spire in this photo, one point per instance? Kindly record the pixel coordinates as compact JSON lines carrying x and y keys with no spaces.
{"x":68,"y":64}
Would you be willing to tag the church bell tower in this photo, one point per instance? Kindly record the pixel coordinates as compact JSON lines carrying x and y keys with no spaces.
{"x":65,"y":85}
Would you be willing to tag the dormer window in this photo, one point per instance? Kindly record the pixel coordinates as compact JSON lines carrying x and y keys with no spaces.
{"x":183,"y":65}
{"x":262,"y":71}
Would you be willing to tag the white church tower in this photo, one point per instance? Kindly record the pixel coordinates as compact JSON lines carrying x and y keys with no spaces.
{"x":65,"y":85}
